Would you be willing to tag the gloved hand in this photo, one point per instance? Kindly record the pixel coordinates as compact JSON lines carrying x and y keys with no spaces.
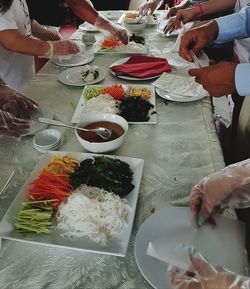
{"x":45,"y":32}
{"x":11,"y":125}
{"x":207,"y":277}
{"x":16,"y":103}
{"x":148,"y":7}
{"x":61,"y":47}
{"x":116,"y":30}
{"x":228,"y":187}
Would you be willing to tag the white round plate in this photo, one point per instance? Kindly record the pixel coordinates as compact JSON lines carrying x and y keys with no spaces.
{"x":88,"y":27}
{"x":72,"y":76}
{"x":122,"y":61}
{"x":75,"y":60}
{"x":171,"y":227}
{"x":35,"y":125}
{"x":176,"y":97}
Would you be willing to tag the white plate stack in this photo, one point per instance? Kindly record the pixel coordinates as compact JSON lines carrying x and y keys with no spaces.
{"x":47,"y":140}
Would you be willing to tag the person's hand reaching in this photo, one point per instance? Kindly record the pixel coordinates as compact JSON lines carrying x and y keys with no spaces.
{"x":16,"y":103}
{"x":207,"y":276}
{"x":228,"y":187}
{"x":218,"y":79}
{"x":116,"y":30}
{"x":148,"y":7}
{"x":11,"y":125}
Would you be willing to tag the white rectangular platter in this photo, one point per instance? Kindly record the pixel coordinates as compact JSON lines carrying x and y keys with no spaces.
{"x":152,"y":112}
{"x":117,"y":246}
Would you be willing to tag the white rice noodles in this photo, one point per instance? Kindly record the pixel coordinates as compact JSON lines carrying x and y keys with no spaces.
{"x":93,"y":213}
{"x":101,"y":103}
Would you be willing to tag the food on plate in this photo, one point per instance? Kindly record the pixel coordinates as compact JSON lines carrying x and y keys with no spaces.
{"x":115,"y":128}
{"x":89,"y":73}
{"x":48,"y":186}
{"x":62,"y":165}
{"x":112,"y":175}
{"x":35,"y":217}
{"x":93,"y":213}
{"x":142,"y":92}
{"x":101,"y":103}
{"x":108,"y":99}
{"x":117,"y":91}
{"x":131,"y":15}
{"x":135,"y":109}
{"x":137,"y":39}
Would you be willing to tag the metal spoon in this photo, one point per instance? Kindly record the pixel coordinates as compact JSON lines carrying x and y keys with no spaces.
{"x":101,"y":131}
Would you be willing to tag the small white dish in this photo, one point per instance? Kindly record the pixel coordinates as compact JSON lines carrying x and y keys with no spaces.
{"x":177,"y":97}
{"x":79,"y":59}
{"x":41,"y":150}
{"x":47,"y":138}
{"x":72,"y":76}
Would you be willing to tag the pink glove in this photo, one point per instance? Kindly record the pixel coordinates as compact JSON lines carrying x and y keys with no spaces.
{"x":115,"y":30}
{"x":16,"y":103}
{"x":61,"y":47}
{"x":207,"y":277}
{"x":12,"y":126}
{"x":148,"y":7}
{"x":228,"y":187}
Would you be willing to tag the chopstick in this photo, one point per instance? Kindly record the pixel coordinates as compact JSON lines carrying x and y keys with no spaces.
{"x":196,"y":59}
{"x":7,"y":182}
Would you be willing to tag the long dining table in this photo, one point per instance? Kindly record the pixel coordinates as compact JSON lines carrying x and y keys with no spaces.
{"x":178,"y":152}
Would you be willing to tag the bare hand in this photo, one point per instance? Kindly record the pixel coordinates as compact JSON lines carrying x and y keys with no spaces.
{"x":217,"y":79}
{"x":197,"y":38}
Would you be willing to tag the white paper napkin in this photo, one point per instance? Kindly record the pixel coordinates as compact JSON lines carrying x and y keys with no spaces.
{"x":182,"y":85}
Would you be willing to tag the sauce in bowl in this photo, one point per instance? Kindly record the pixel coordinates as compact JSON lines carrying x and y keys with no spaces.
{"x":89,"y":136}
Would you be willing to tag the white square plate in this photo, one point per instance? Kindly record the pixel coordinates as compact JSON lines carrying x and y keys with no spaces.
{"x":117,"y":247}
{"x":153,"y":117}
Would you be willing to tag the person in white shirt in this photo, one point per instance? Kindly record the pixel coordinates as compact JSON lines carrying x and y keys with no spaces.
{"x":17,"y":46}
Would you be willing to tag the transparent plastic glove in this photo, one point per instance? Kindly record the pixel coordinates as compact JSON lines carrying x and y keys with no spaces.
{"x":115,"y":30}
{"x":16,"y":103}
{"x":228,"y":187}
{"x":45,"y":32}
{"x":61,"y":48}
{"x":11,"y":125}
{"x":207,"y":277}
{"x":148,"y":7}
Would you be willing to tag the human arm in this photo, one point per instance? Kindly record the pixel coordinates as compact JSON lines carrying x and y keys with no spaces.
{"x":43,"y":32}
{"x":85,"y":11}
{"x":13,"y":40}
{"x":148,"y":7}
{"x":228,"y":187}
{"x":207,"y":276}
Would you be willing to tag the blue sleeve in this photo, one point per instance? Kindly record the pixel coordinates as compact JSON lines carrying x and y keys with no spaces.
{"x":235,"y":26}
{"x":242,"y":79}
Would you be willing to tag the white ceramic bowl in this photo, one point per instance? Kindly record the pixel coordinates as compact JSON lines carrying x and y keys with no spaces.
{"x":134,"y":26}
{"x":102,"y":147}
{"x":47,"y":138}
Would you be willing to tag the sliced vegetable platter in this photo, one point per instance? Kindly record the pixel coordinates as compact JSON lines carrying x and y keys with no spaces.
{"x":135,"y":102}
{"x":11,"y":228}
{"x":138,"y":44}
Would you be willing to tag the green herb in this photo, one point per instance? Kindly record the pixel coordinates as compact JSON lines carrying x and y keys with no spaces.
{"x":137,"y":39}
{"x":90,"y":92}
{"x":112,"y":175}
{"x":35,"y":217}
{"x":135,"y":109}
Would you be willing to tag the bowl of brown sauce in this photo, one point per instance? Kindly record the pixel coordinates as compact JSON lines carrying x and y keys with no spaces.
{"x":94,"y":143}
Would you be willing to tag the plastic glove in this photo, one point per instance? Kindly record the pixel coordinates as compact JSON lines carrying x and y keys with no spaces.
{"x":16,"y":103}
{"x":11,"y":125}
{"x":148,"y":7}
{"x":228,"y":187}
{"x":115,"y":30}
{"x":61,"y":48}
{"x":45,"y":32}
{"x":207,"y":277}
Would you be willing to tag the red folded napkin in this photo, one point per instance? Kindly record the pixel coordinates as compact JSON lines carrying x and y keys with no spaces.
{"x":143,"y":66}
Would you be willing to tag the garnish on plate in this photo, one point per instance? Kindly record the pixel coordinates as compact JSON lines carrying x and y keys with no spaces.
{"x":89,"y":73}
{"x":110,"y":174}
{"x":137,"y":39}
